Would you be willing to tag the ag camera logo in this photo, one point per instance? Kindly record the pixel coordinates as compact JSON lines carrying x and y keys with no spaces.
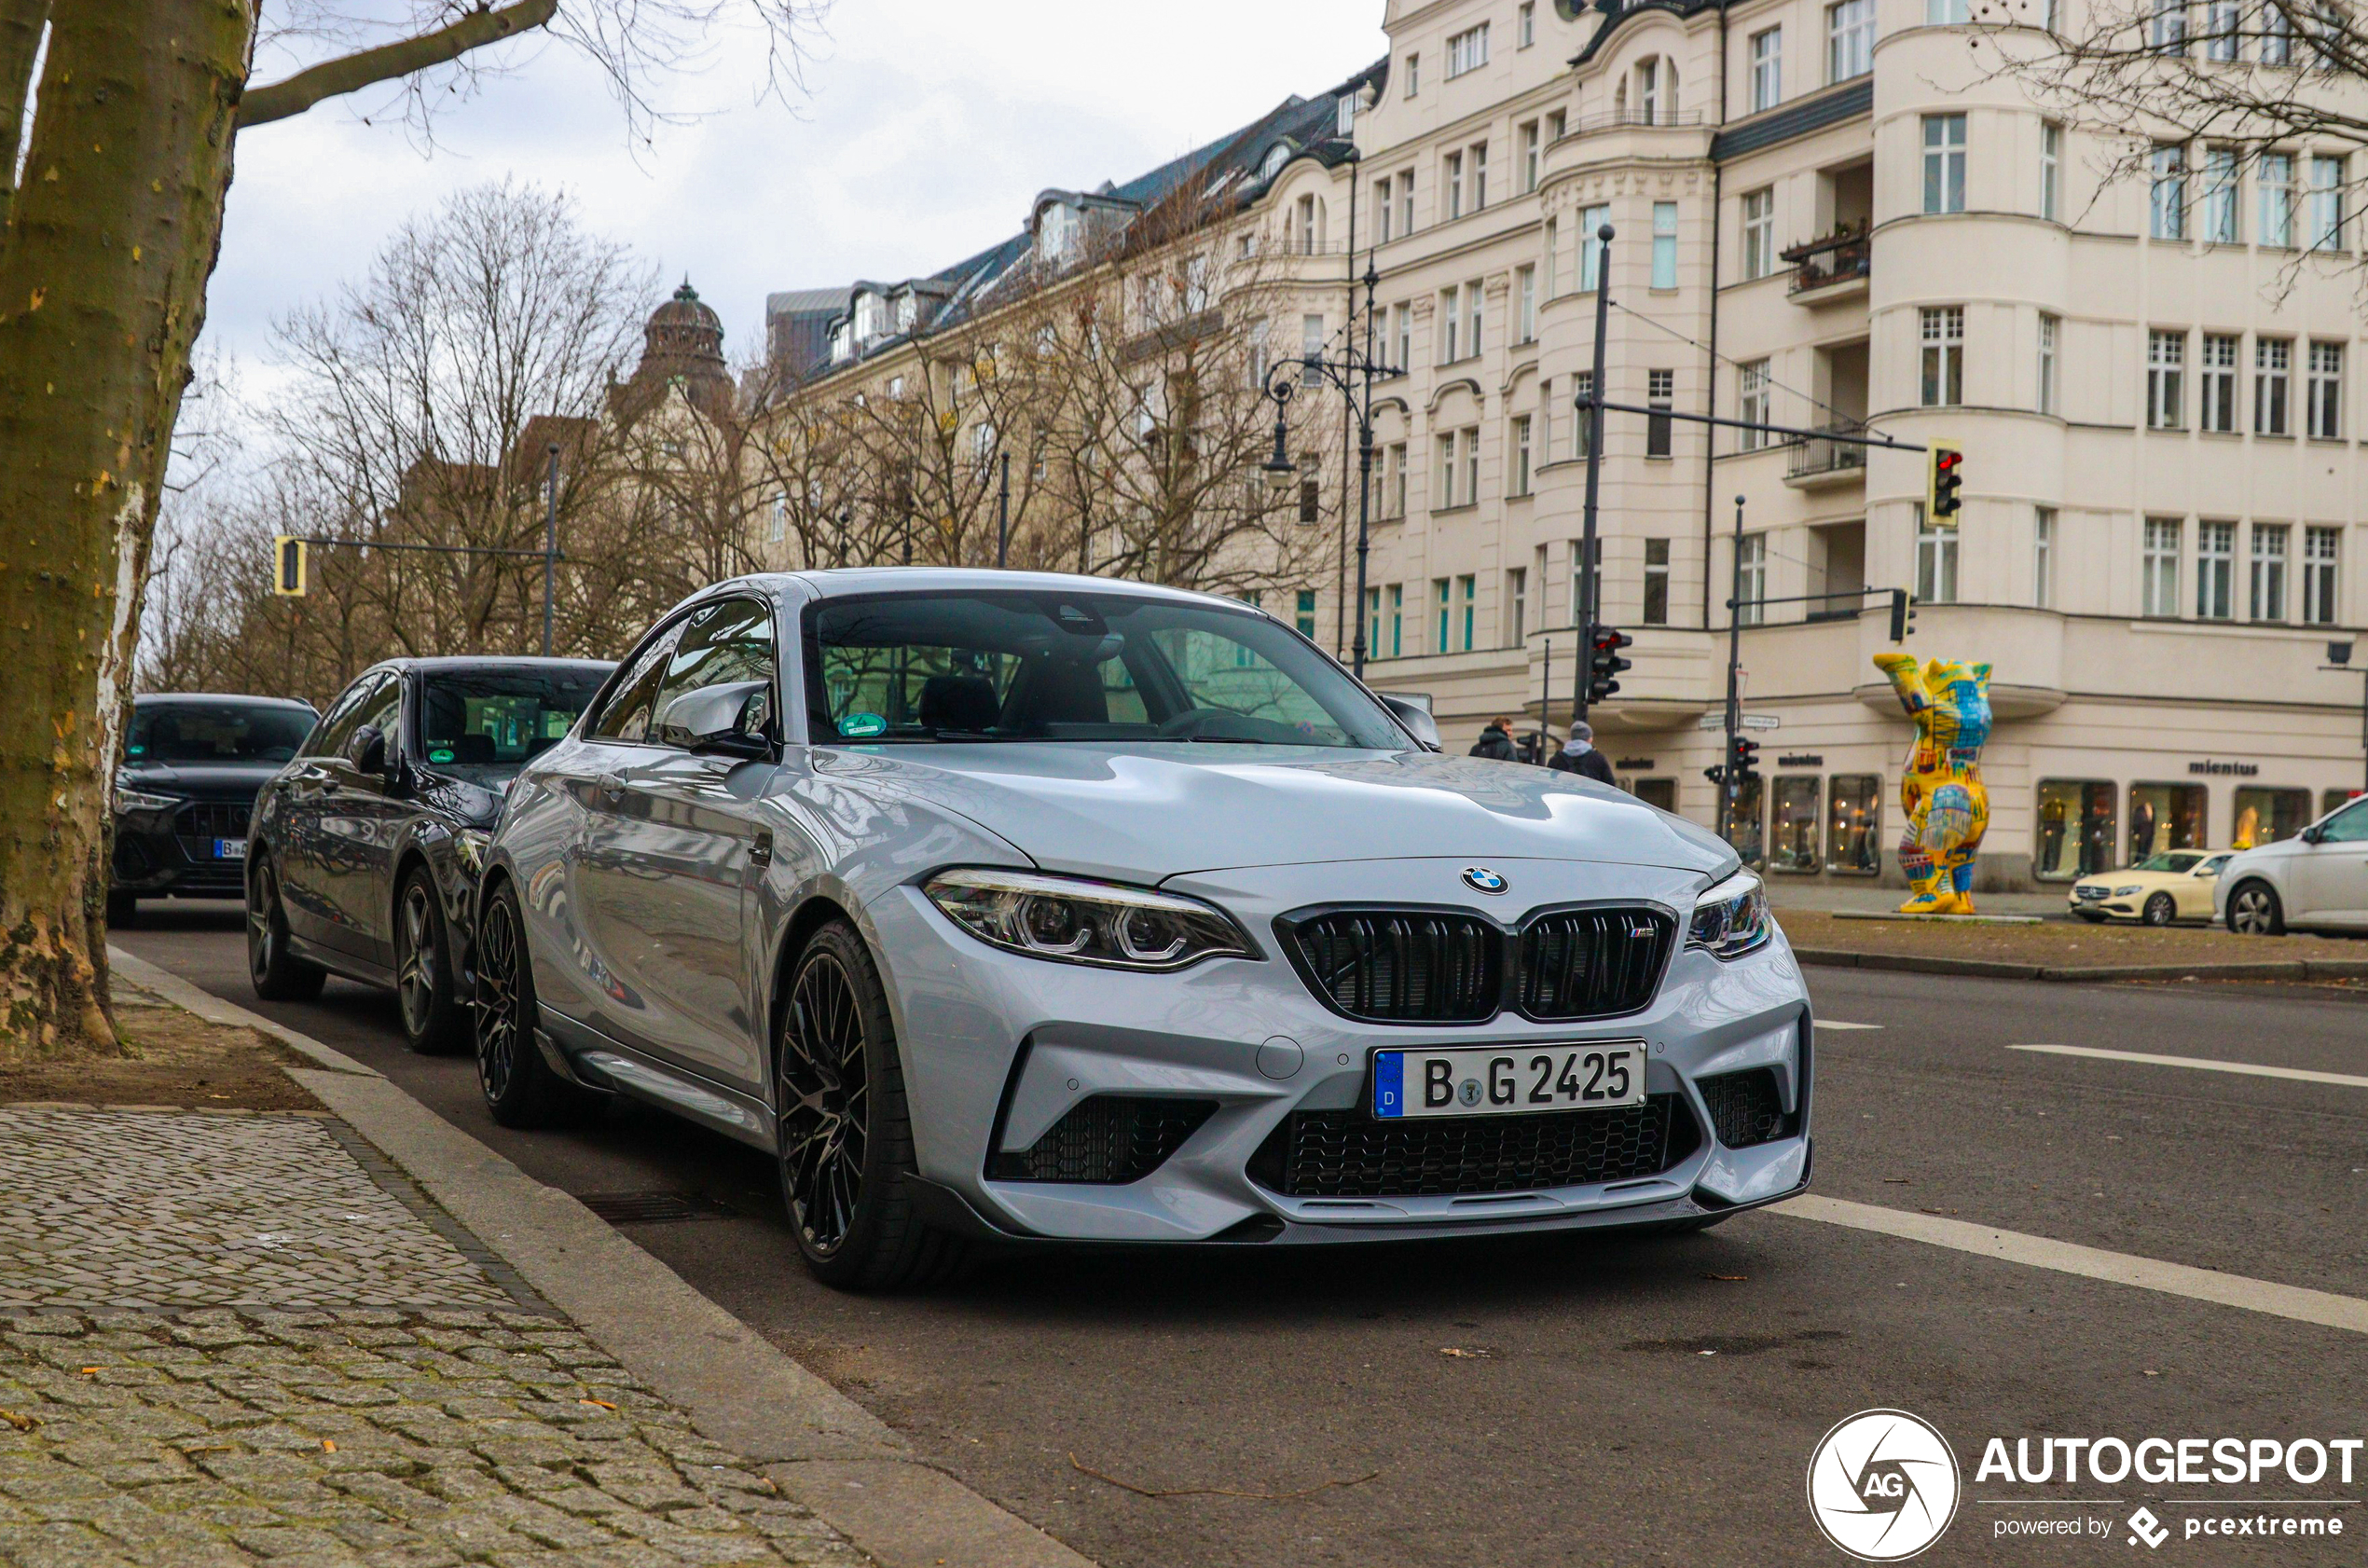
{"x":1883,"y":1485}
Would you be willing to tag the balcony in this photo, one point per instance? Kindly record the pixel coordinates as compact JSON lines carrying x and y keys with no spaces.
{"x":1818,"y":463}
{"x":1830,"y":270}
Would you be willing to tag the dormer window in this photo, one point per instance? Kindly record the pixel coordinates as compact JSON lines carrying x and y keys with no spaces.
{"x":871,"y":318}
{"x":1347,"y":124}
{"x":904,"y":312}
{"x":842,"y":342}
{"x":1277,"y":155}
{"x":1056,"y":227}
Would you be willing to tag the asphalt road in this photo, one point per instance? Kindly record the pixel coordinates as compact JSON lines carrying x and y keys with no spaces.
{"x":1618,"y":1401}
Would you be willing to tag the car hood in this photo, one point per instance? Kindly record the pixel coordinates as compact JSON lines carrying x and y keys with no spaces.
{"x":1147,"y":813}
{"x":203,"y":780}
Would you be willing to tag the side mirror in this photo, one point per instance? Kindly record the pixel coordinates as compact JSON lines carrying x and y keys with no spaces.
{"x":731,"y":720}
{"x":367,"y":751}
{"x":2310,"y":834}
{"x":1417,"y":720}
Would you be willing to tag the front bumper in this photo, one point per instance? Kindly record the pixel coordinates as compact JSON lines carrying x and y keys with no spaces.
{"x":171,"y":854}
{"x":999,"y":1049}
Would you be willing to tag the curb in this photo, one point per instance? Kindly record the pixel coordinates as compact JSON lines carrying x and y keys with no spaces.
{"x":1988,"y":968}
{"x":823,"y":1449}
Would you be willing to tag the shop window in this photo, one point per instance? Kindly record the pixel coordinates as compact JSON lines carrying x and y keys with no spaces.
{"x":1742,"y":826}
{"x":1793,"y":832}
{"x":1661,"y":792}
{"x":2166,"y":816}
{"x":2267,"y":816}
{"x":2076,"y":828}
{"x":1854,"y":824}
{"x":2330,"y":799}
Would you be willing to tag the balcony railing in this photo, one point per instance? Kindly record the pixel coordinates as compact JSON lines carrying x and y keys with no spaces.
{"x":1638,"y":118}
{"x":1816,"y":456}
{"x":1837,"y":259}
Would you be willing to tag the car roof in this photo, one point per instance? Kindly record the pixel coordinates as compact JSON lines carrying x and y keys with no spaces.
{"x":146,"y":697}
{"x":492,"y":661}
{"x":846,"y":582}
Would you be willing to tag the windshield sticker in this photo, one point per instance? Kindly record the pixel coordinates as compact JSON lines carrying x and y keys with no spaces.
{"x":441,"y":754}
{"x":861,"y":724}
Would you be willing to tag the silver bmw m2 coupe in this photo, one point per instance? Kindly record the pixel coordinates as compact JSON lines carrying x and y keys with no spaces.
{"x":997,"y":905}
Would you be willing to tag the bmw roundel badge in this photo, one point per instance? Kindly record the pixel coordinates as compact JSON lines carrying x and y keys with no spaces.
{"x":1480,"y":879}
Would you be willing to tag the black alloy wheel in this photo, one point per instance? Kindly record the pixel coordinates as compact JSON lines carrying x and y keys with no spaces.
{"x":2161,"y":910}
{"x":277,"y":974}
{"x":424,"y":981}
{"x":520,"y":1089}
{"x":843,"y":1131}
{"x":2254,"y":911}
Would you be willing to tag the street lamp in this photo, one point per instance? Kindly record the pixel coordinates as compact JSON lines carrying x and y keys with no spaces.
{"x":1280,"y":470}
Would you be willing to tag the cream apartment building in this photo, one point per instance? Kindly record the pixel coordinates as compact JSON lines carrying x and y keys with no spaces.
{"x":1827,"y":212}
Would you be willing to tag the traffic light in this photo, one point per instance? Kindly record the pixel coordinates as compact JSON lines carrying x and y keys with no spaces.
{"x":1903,"y":615}
{"x":1746,"y":759}
{"x":1715,"y":773}
{"x":288,"y":565}
{"x":1945,"y":462}
{"x":1604,"y":662}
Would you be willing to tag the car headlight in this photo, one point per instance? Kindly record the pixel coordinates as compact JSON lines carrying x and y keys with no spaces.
{"x":1732,"y":919}
{"x":128,"y":801}
{"x":1073,"y":921}
{"x":2129,"y":892}
{"x":470,"y":844}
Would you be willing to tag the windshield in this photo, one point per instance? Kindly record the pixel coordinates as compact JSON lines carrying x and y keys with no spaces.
{"x":981,"y":664}
{"x":215,"y":731}
{"x":484,"y":724}
{"x":2171,"y":862}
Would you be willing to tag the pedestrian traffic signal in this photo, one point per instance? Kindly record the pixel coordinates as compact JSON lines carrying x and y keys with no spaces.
{"x":1746,"y":759}
{"x":1715,"y":773}
{"x":1903,"y":615}
{"x":1604,"y":662}
{"x":288,"y":565}
{"x":1945,"y":462}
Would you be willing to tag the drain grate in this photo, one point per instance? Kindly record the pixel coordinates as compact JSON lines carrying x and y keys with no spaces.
{"x":652,"y":1208}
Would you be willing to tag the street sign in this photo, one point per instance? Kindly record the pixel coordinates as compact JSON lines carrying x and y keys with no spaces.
{"x":1750,"y":722}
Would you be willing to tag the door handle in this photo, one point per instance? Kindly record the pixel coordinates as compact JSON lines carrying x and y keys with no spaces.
{"x":760,"y":848}
{"x":611,"y":786}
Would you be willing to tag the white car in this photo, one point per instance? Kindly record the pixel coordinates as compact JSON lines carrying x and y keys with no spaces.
{"x":2317,"y":880}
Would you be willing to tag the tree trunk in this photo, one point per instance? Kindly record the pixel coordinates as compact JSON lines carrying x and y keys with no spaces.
{"x":103,"y":273}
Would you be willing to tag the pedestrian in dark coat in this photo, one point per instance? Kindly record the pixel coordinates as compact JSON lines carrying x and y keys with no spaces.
{"x":1578,"y":755}
{"x":1495,"y":742}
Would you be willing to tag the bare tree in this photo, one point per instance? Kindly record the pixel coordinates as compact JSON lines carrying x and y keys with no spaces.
{"x":106,"y":251}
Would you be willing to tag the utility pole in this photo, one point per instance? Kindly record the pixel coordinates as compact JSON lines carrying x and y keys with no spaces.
{"x":1731,"y":781}
{"x":1003,"y":516}
{"x":1591,"y":410}
{"x":550,"y":544}
{"x":1546,"y":702}
{"x":2339,"y":662}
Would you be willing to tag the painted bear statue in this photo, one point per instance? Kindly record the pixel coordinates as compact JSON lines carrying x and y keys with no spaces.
{"x":1947,"y":807}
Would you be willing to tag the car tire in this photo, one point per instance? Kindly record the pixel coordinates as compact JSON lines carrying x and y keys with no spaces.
{"x":123,"y":911}
{"x":842,"y":1131}
{"x":277,"y":973}
{"x":426,"y":986}
{"x":2254,"y":910}
{"x":2160,"y":910}
{"x":519,"y":1086}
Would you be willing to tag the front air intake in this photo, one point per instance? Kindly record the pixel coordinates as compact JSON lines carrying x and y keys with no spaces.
{"x":1105,"y":1141}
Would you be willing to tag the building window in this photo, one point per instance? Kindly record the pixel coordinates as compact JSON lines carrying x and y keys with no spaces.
{"x":2276,"y":37}
{"x":1590,"y":250}
{"x":1751,"y":594}
{"x":1525,"y":25}
{"x":1443,"y":465}
{"x":2167,"y":209}
{"x":1525,"y":294}
{"x":1473,"y":318}
{"x":2043,"y":558}
{"x":2220,"y":195}
{"x":2169,"y":33}
{"x":1397,"y":620}
{"x":1394,"y":489}
{"x":1854,"y":824}
{"x":1661,"y":392}
{"x":1529,"y":157}
{"x":1520,"y":454}
{"x":1480,"y":175}
{"x":2220,"y":383}
{"x":1382,"y":214}
{"x":2223,"y":35}
{"x":1936,"y":561}
{"x":2268,"y":816}
{"x":2051,"y":164}
{"x":1944,"y":359}
{"x":1439,"y":588}
{"x":1850,"y":39}
{"x":1751,"y":404}
{"x":1583,"y":435}
{"x":2076,"y":829}
{"x":1648,"y":92}
{"x":2216,"y":571}
{"x":1451,"y":323}
{"x":1467,"y":50}
{"x":1759,"y":233}
{"x":2321,"y":549}
{"x":1470,"y":486}
{"x":1402,"y":332}
{"x":1944,"y":163}
{"x":2165,"y":380}
{"x":1311,"y":347}
{"x":1413,"y":76}
{"x":1945,"y":13}
{"x":1664,"y":244}
{"x":2158,"y":573}
{"x":1406,"y":202}
{"x":1303,"y":614}
{"x":1452,"y":178}
{"x":2269,"y":583}
{"x":2051,"y":328}
{"x":2272,"y":358}
{"x":1768,"y":69}
{"x":1657,"y":582}
{"x":2327,"y":203}
{"x":1468,"y":588}
{"x":2166,"y":816}
{"x":2325,"y":416}
{"x":1516,"y":606}
{"x":2276,"y":175}
{"x":1791,"y":828}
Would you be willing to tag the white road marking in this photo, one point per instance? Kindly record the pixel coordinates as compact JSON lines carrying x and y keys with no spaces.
{"x":1838,"y":1024}
{"x":2201,"y":1064}
{"x":2291,"y":1302}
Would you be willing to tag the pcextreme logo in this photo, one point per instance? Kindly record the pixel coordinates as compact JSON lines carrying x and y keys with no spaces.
{"x":1883,"y":1485}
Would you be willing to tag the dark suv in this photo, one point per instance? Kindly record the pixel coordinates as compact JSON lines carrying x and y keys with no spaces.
{"x":366,"y":847}
{"x":191,"y":766}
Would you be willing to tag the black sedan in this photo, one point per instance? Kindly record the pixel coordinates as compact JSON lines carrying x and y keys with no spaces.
{"x":192,"y":763}
{"x":363,"y":856}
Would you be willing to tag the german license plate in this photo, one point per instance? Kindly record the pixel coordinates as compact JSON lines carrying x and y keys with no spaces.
{"x":229,"y":849}
{"x":1505,"y":1080}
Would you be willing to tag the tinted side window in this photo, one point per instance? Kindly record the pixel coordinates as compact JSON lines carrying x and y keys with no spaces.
{"x":345,"y":715}
{"x":627,"y":715}
{"x":727,"y":642}
{"x":2349,"y":826}
{"x":381,"y":709}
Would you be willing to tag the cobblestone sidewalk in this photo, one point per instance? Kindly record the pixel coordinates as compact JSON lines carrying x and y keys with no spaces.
{"x":246,"y":1339}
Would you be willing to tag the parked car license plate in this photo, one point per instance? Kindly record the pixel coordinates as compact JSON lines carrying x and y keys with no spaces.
{"x":1507,"y":1079}
{"x":229,"y":849}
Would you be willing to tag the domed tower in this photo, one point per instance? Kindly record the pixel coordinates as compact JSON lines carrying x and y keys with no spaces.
{"x":683,"y":344}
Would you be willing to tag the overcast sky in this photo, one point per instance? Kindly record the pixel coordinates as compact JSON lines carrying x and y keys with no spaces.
{"x":928,"y":126}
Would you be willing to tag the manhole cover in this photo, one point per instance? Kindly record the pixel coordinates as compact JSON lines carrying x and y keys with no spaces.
{"x":652,"y":1208}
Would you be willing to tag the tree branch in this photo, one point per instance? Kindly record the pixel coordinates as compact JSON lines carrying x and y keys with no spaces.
{"x":333,"y":78}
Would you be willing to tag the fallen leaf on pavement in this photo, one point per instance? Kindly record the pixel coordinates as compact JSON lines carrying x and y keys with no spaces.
{"x":603,"y":1403}
{"x":21,"y":1423}
{"x":1457,"y":1353}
